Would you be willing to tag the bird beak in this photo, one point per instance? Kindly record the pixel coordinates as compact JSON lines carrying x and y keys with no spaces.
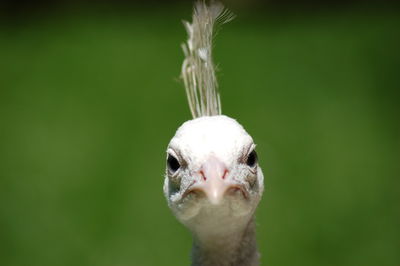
{"x":214,"y":182}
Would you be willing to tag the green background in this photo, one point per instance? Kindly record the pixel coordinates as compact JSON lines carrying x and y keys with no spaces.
{"x":89,"y":101}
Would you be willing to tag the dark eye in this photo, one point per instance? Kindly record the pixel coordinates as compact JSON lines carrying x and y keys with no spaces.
{"x":172,"y":163}
{"x":252,"y":159}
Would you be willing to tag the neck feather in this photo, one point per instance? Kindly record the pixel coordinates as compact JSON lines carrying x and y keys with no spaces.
{"x":233,"y":249}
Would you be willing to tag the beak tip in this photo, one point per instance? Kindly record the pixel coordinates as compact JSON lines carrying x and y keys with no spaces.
{"x":215,"y":197}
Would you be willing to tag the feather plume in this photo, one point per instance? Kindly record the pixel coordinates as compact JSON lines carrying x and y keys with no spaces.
{"x":198,"y":70}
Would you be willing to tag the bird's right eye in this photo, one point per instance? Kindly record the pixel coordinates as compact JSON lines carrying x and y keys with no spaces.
{"x":172,"y":163}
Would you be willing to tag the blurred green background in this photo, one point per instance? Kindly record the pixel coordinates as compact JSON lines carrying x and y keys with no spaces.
{"x":90,"y":97}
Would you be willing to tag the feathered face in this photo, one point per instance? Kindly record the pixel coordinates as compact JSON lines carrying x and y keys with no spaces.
{"x":212,"y":178}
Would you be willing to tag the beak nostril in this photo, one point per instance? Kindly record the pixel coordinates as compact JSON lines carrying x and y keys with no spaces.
{"x":203,"y":175}
{"x":225,"y":173}
{"x":205,"y":178}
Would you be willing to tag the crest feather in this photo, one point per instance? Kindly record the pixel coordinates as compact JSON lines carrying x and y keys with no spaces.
{"x":198,"y":70}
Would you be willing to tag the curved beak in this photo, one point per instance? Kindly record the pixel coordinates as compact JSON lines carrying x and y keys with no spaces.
{"x":214,"y":182}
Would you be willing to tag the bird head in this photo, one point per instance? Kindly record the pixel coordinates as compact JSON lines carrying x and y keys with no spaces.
{"x":213,"y":182}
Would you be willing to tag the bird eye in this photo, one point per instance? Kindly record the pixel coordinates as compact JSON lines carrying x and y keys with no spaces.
{"x":252,"y":159}
{"x":173,"y":163}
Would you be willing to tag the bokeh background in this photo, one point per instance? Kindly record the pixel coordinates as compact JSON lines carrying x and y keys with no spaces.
{"x":90,"y":97}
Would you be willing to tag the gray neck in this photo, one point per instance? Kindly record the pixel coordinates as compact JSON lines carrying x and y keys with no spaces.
{"x":234,"y":249}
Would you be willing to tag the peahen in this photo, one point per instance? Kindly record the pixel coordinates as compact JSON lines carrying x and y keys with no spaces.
{"x":213,"y":182}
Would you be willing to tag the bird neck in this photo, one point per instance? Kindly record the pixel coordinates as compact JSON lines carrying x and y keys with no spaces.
{"x":228,"y":248}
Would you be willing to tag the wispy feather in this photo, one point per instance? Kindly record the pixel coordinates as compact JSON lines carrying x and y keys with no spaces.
{"x":198,"y":70}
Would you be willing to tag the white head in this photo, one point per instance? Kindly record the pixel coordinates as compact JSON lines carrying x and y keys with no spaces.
{"x":213,"y":182}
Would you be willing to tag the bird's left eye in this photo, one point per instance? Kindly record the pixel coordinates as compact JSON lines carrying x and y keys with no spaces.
{"x":173,"y":163}
{"x":252,"y":159}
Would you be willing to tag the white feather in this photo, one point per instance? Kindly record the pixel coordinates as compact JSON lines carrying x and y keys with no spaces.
{"x":198,"y":70}
{"x":223,"y":230}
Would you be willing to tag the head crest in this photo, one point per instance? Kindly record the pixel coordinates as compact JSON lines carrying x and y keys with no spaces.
{"x":198,"y":70}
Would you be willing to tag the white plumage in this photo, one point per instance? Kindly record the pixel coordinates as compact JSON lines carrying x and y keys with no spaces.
{"x":198,"y":72}
{"x":213,"y":182}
